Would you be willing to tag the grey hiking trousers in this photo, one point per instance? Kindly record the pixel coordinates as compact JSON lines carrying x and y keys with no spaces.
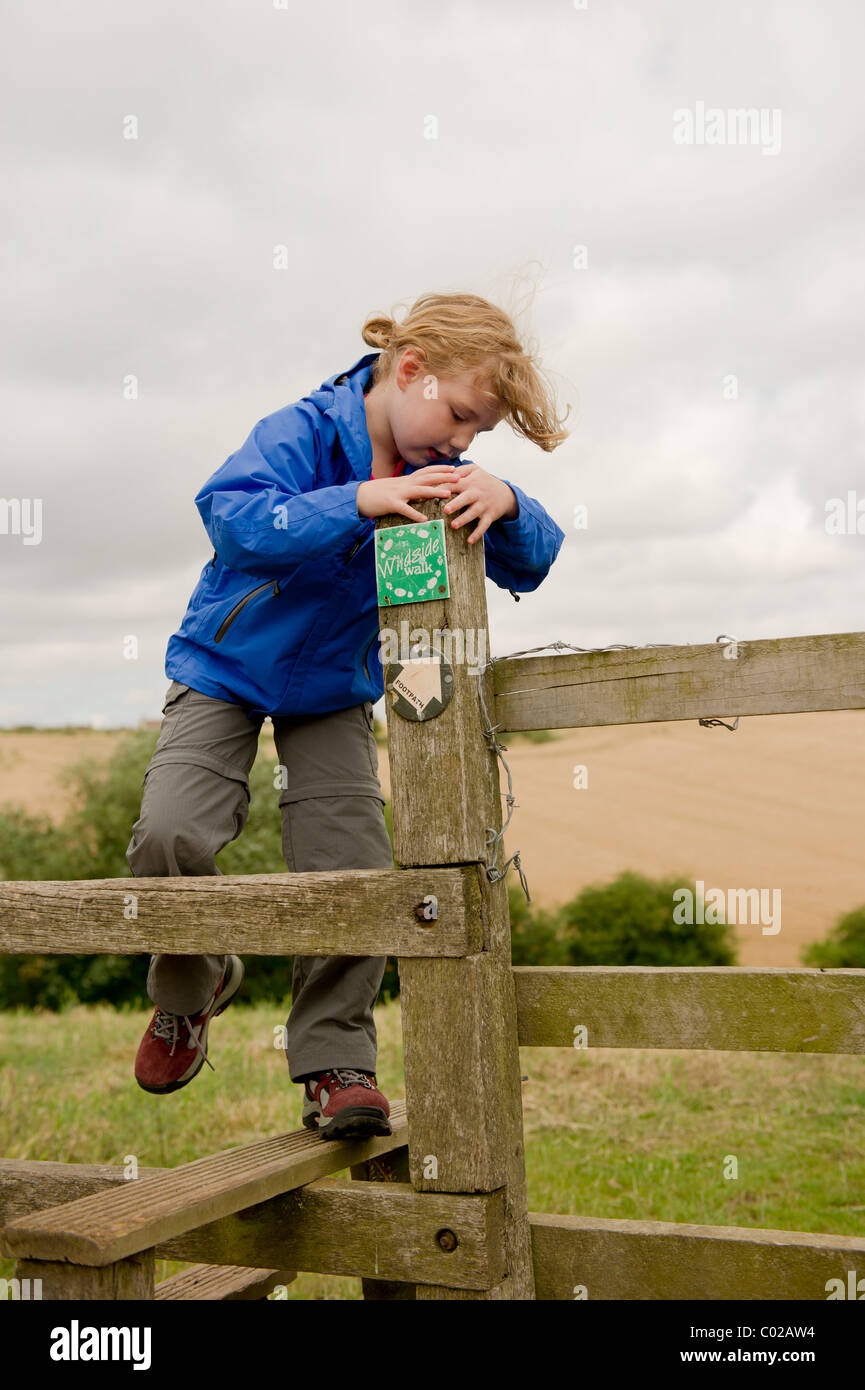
{"x":195,"y":800}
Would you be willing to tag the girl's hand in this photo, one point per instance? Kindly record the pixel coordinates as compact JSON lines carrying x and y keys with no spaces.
{"x":381,"y":496}
{"x":485,"y":497}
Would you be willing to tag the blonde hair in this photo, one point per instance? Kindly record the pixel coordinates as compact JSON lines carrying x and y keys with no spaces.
{"x":460,"y":334}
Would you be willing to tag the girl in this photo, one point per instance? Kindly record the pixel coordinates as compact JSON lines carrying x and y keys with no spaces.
{"x":283,"y":623}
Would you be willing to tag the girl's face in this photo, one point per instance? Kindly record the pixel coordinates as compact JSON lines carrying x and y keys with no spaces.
{"x":435,"y":417}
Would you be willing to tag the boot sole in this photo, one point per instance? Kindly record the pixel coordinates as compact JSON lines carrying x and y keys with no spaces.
{"x":224,"y":1000}
{"x":354,"y":1122}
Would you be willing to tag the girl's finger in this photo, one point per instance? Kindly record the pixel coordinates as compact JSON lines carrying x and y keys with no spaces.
{"x":463,"y":499}
{"x":470,"y":515}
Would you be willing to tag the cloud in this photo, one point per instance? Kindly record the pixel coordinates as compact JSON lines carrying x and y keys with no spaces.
{"x":260,"y":127}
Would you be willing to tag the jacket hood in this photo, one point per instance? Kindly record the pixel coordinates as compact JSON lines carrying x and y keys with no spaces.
{"x":340,"y":399}
{"x":358,"y":375}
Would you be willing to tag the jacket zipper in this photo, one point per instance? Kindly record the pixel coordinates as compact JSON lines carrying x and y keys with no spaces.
{"x":226,"y":622}
{"x":356,"y":545}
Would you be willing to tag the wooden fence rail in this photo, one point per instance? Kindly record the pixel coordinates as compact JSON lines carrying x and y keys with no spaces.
{"x":357,"y":912}
{"x":614,"y":1259}
{"x":728,"y":1008}
{"x":784,"y":675}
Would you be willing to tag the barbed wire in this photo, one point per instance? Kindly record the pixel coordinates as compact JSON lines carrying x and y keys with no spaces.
{"x":489,"y":733}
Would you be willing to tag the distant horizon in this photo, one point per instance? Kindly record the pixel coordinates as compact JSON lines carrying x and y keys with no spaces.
{"x":144,"y":723}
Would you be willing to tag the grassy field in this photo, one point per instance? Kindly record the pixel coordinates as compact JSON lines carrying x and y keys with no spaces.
{"x":609,"y":1133}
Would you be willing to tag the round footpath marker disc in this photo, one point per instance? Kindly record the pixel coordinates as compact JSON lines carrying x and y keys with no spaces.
{"x":421,"y":686}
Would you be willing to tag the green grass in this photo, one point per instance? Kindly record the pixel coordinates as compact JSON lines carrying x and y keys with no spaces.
{"x":608,"y":1132}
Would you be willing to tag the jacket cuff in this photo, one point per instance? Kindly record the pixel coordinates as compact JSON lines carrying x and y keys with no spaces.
{"x":519,"y":527}
{"x":510,"y":520}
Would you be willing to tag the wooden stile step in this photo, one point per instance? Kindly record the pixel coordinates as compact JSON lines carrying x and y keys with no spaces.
{"x":108,"y":1226}
{"x":212,"y":1283}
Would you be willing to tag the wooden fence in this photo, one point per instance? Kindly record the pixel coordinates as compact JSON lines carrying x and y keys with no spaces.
{"x":438,"y":1209}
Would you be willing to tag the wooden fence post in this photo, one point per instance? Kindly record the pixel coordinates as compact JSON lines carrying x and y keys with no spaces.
{"x":462,"y":1066}
{"x":124,"y":1279}
{"x":389,"y":1167}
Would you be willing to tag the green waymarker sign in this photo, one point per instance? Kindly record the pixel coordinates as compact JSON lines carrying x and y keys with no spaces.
{"x":410,"y":563}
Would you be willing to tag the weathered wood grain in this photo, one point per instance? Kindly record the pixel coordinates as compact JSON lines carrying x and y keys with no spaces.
{"x":382,"y":1232}
{"x":220,"y":1283}
{"x":444,"y":777}
{"x":352,"y":912}
{"x":726,"y":1008}
{"x":125,"y":1279}
{"x":665,"y":1260}
{"x":389,"y":1167}
{"x":30,"y":1185}
{"x":783,"y":675}
{"x":502,"y":1292}
{"x":455,"y":1030}
{"x":611,"y":1258}
{"x":108,"y":1226}
{"x":459,"y":1025}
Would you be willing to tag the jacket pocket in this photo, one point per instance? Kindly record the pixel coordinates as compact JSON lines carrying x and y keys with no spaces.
{"x":272,"y":584}
{"x":366,"y":654}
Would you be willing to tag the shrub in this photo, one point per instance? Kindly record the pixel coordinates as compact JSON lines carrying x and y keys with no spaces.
{"x":32,"y":847}
{"x":627,"y":922}
{"x":89,"y":843}
{"x":535,"y":935}
{"x":843,"y":947}
{"x":630,"y":922}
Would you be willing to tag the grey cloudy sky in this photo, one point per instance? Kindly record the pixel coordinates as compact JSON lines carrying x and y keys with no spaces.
{"x":305,"y":126}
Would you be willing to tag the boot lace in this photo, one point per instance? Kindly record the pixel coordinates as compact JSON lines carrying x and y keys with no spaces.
{"x":348,"y":1076}
{"x":167,"y":1027}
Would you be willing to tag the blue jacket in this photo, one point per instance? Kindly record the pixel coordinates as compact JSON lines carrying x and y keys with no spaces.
{"x":284,"y":618}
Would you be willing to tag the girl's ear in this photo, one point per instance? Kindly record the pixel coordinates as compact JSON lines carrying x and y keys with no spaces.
{"x":412,"y":364}
{"x":403,"y":369}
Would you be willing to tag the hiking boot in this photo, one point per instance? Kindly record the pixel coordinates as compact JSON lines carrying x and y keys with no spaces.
{"x":163,"y":1062}
{"x":344,"y":1103}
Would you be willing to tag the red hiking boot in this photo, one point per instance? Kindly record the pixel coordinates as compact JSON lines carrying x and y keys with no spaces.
{"x":174,"y":1047}
{"x":345,"y":1103}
